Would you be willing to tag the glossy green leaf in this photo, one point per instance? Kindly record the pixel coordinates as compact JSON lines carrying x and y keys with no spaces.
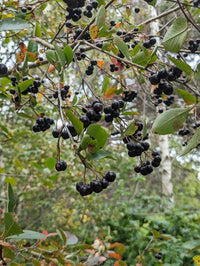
{"x":78,"y":125}
{"x":182,"y":65}
{"x":13,"y":24}
{"x":105,"y":84}
{"x":37,"y":31}
{"x":51,"y":56}
{"x":187,"y":96}
{"x":27,"y":234}
{"x":170,"y":121}
{"x":176,"y":35}
{"x":87,"y":141}
{"x":100,"y":17}
{"x":143,"y":58}
{"x":68,"y":52}
{"x":192,"y":143}
{"x":5,"y":81}
{"x":100,"y":155}
{"x":8,"y":253}
{"x":131,"y":128}
{"x":11,"y":227}
{"x":25,"y":66}
{"x":25,"y":84}
{"x":61,"y":55}
{"x":122,"y":47}
{"x":50,"y":163}
{"x":11,"y":199}
{"x":99,"y":133}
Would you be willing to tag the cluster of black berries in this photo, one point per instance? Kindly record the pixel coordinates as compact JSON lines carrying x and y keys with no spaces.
{"x":96,"y":185}
{"x":136,"y":149}
{"x":193,"y":46}
{"x":42,"y":124}
{"x":61,"y":166}
{"x":183,"y":131}
{"x":86,"y":35}
{"x":113,"y":110}
{"x":129,"y":96}
{"x":158,"y":255}
{"x":89,"y":7}
{"x":34,"y":88}
{"x":92,"y":113}
{"x":170,"y":75}
{"x":90,"y":68}
{"x":64,"y":92}
{"x":113,"y":67}
{"x":150,"y":42}
{"x":25,"y":8}
{"x":147,"y":167}
{"x":74,"y":9}
{"x":64,"y":132}
{"x":3,"y":69}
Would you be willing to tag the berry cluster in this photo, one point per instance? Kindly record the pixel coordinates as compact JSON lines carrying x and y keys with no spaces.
{"x":61,"y":166}
{"x":183,"y":131}
{"x":64,"y":133}
{"x":137,"y":135}
{"x":113,"y":110}
{"x":42,"y":124}
{"x":34,"y":88}
{"x":193,"y":46}
{"x":113,"y":67}
{"x":25,"y":8}
{"x":129,"y":96}
{"x":64,"y":92}
{"x":146,"y":167}
{"x":3,"y":69}
{"x":96,"y":185}
{"x":86,"y":35}
{"x":136,"y":149}
{"x":90,"y":68}
{"x":89,"y":7}
{"x":92,"y":113}
{"x":150,"y":42}
{"x":158,"y":255}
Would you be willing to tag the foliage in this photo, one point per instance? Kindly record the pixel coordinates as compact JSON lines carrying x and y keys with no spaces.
{"x":96,"y":84}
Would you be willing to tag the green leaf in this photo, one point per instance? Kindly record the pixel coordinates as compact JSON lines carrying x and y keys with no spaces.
{"x":13,"y":24}
{"x":62,"y":235}
{"x":192,"y":143}
{"x":131,"y":128}
{"x":152,"y":3}
{"x":25,"y":66}
{"x":50,"y":163}
{"x":122,"y":47}
{"x":182,"y":65}
{"x":37,"y":31}
{"x":187,"y":96}
{"x":5,"y":81}
{"x":144,"y":57}
{"x":170,"y":121}
{"x":27,"y":234}
{"x":87,"y":141}
{"x":98,"y":133}
{"x":100,"y":155}
{"x":25,"y":84}
{"x":100,"y":17}
{"x":105,"y":84}
{"x":33,"y":47}
{"x":10,"y":180}
{"x":61,"y":55}
{"x":68,"y":54}
{"x":11,"y":227}
{"x":51,"y":56}
{"x":8,"y":253}
{"x":78,"y":125}
{"x":11,"y":199}
{"x":176,"y":35}
{"x":53,"y":177}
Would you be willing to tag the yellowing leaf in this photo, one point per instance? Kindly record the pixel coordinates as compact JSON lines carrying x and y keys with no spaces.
{"x":118,"y":25}
{"x":109,"y":94}
{"x":93,"y":31}
{"x":196,"y":260}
